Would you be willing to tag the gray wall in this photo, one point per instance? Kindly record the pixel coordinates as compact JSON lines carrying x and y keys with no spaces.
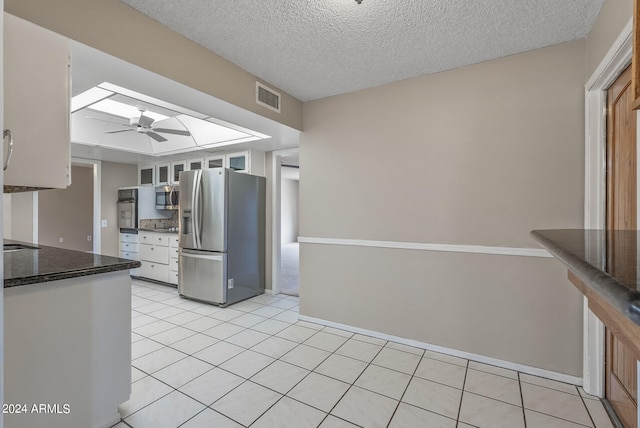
{"x":20,"y":224}
{"x":479,"y":155}
{"x":614,"y":15}
{"x":114,"y":175}
{"x":68,"y":213}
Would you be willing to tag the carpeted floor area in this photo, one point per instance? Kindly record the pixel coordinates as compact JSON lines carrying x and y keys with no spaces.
{"x":290,"y":268}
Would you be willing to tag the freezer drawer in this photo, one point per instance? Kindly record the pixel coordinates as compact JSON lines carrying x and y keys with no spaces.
{"x":202,"y":276}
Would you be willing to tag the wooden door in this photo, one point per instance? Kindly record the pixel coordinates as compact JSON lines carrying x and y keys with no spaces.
{"x":621,"y":367}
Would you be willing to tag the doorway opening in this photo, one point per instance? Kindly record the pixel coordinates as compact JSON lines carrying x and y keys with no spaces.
{"x":65,"y":216}
{"x":70,"y":218}
{"x":289,"y":246}
{"x":285,"y":254}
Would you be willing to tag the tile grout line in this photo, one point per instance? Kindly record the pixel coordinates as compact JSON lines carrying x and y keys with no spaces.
{"x":406,"y":387}
{"x":524,"y":415}
{"x":586,"y":408}
{"x":464,"y":381}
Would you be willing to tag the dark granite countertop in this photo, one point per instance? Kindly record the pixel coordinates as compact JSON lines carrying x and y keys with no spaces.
{"x":51,"y":264}
{"x":150,"y":229}
{"x":606,"y":261}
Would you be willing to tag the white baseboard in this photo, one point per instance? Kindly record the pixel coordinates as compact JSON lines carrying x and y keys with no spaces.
{"x":561,"y":377}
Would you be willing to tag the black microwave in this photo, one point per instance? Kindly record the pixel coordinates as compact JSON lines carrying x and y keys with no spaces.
{"x":167,"y":197}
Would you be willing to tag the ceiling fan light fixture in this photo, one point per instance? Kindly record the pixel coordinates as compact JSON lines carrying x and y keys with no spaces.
{"x":358,"y":1}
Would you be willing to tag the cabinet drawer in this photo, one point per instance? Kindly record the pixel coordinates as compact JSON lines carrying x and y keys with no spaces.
{"x":129,"y":237}
{"x":156,"y":271}
{"x":161,"y":239}
{"x":128,"y":255}
{"x":145,"y":238}
{"x":154,"y":238}
{"x":129,"y":246}
{"x":173,"y":277}
{"x":154,"y":253}
{"x":174,"y":264}
{"x":174,"y":241}
{"x":174,"y":252}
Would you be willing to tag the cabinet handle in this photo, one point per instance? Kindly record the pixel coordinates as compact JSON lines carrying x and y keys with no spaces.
{"x":7,"y":133}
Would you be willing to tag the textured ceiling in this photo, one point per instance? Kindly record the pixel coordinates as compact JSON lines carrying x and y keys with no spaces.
{"x":315,"y":49}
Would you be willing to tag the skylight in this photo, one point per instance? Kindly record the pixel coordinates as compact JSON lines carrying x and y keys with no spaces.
{"x":174,"y":129}
{"x":89,"y":97}
{"x":117,"y":108}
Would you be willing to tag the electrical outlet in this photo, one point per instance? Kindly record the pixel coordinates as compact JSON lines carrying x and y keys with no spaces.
{"x":61,"y":239}
{"x":88,"y":237}
{"x":230,"y":283}
{"x":104,"y":223}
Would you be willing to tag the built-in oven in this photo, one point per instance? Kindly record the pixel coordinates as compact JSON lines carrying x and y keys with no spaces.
{"x":167,"y":197}
{"x":127,"y":208}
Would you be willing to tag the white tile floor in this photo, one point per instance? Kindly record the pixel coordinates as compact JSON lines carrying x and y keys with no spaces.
{"x":255,"y":365}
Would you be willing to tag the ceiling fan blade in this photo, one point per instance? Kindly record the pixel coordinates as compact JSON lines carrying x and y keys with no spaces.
{"x":118,"y":130}
{"x":145,"y":121}
{"x":159,"y":138}
{"x":172,"y":131}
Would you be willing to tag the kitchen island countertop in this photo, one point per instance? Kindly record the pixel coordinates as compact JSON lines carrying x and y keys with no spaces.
{"x":606,"y":261}
{"x":46,"y":264}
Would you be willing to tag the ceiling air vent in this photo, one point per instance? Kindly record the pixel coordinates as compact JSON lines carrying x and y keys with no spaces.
{"x":267,"y":97}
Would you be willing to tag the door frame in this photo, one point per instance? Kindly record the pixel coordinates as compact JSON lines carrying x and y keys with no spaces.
{"x":615,"y":62}
{"x":276,"y":214}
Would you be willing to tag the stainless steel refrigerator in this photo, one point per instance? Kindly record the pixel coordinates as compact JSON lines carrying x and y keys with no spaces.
{"x":222,"y":235}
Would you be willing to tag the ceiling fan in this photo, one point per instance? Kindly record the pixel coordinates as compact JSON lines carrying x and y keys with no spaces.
{"x":144,"y":125}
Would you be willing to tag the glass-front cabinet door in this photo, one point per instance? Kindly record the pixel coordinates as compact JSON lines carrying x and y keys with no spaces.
{"x":238,"y":162}
{"x":147,"y":175}
{"x":176,"y":168}
{"x":193,"y":164}
{"x":215,"y":161}
{"x":162,"y":174}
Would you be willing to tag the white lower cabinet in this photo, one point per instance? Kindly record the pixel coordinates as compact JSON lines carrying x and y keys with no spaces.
{"x":154,"y":256}
{"x":173,"y":259}
{"x":129,"y":249}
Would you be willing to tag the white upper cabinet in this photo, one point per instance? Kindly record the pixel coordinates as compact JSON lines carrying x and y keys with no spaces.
{"x":37,"y":100}
{"x":176,"y":168}
{"x":163,"y":173}
{"x":215,"y":161}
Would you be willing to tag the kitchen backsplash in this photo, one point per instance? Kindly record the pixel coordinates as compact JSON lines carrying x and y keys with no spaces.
{"x":159,"y":223}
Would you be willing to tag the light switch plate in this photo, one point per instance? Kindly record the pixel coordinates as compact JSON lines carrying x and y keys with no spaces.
{"x":104,"y":223}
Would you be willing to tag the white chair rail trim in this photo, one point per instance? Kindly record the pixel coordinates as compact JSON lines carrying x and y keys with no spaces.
{"x":422,"y":246}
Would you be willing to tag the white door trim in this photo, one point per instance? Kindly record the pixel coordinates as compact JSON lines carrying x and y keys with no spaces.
{"x":616,"y":60}
{"x":276,"y":158}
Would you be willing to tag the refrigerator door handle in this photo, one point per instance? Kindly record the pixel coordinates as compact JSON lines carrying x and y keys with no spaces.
{"x":196,"y":214}
{"x":199,"y":255}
